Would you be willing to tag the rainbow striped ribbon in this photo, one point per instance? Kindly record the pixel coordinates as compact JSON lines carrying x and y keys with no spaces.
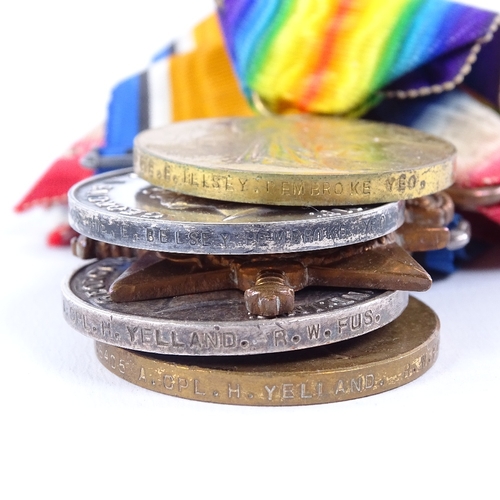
{"x":338,"y":56}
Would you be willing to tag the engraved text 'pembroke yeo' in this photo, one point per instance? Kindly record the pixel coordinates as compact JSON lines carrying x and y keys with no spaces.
{"x":295,"y":160}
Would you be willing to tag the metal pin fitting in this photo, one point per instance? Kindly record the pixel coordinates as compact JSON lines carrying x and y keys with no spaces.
{"x":459,"y":236}
{"x":270,"y":296}
{"x":94,"y":160}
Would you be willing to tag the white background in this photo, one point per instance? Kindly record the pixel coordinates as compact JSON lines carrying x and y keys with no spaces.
{"x":71,"y":429}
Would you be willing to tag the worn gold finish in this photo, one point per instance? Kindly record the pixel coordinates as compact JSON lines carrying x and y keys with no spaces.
{"x":385,"y":359}
{"x":296,"y":160}
{"x":473,"y":198}
{"x":269,"y":281}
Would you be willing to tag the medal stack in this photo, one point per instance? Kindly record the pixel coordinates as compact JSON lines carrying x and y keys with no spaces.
{"x":263,"y":261}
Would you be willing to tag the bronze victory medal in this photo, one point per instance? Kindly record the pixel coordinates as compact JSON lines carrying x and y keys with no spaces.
{"x":298,"y":160}
{"x":385,"y":359}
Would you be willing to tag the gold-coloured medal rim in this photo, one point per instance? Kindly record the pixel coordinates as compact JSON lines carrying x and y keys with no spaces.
{"x":373,"y":363}
{"x":295,"y":160}
{"x":272,"y":189}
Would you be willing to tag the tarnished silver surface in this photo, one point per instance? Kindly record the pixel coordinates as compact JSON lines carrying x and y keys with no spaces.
{"x":122,"y":209}
{"x":217,"y":323}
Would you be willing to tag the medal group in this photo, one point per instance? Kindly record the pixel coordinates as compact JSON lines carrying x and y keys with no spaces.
{"x":263,"y":261}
